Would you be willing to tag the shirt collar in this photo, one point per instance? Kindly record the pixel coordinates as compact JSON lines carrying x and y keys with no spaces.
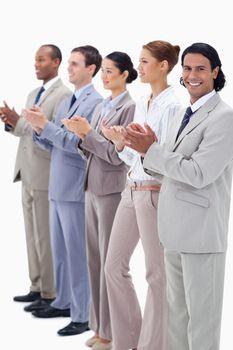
{"x":201,"y":101}
{"x":50,"y":83}
{"x":113,"y":102}
{"x":162,"y":97}
{"x":79,"y":92}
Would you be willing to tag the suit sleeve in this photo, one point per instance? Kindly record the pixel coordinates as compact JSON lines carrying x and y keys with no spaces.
{"x":60,"y":137}
{"x":205,"y":165}
{"x":97,"y":144}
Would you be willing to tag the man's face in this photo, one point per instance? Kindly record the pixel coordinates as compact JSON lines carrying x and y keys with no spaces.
{"x":46,"y":67}
{"x":79,"y":73}
{"x":198,"y":77}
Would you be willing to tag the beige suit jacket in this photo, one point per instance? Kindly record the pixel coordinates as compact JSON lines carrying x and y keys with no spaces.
{"x":32,"y":163}
{"x":194,"y":201}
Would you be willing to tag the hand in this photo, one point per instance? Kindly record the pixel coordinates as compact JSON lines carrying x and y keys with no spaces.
{"x":35,"y":117}
{"x":139,"y":138}
{"x":78,"y":125}
{"x":115,"y":134}
{"x":8,"y":115}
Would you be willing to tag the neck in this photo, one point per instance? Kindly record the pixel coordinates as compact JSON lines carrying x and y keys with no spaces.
{"x":158,"y":87}
{"x":50,"y":78}
{"x":82,"y":84}
{"x":117,"y":92}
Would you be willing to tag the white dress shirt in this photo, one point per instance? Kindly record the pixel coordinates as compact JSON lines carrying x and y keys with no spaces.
{"x":158,"y":116}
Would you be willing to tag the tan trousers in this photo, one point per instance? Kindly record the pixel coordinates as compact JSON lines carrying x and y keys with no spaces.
{"x":36,"y":220}
{"x":136,"y":217}
{"x":195,"y":295}
{"x":99,"y":214}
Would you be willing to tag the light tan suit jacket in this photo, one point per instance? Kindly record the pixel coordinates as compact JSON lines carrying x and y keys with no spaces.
{"x":32,"y":163}
{"x":194,"y":201}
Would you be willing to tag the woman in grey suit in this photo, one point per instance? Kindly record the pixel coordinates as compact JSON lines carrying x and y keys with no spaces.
{"x":105,"y":180}
{"x":136,"y":216}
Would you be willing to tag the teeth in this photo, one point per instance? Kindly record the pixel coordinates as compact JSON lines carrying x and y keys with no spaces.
{"x":194,"y":84}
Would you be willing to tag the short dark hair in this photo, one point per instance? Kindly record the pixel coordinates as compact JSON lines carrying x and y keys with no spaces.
{"x":55,"y":51}
{"x":211,"y":54}
{"x":123,"y":62}
{"x":92,"y":56}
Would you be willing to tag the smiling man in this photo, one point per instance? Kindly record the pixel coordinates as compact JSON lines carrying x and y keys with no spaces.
{"x":32,"y":168}
{"x":194,"y":201}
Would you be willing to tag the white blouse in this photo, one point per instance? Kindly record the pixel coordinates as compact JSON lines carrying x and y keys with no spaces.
{"x":158,"y":116}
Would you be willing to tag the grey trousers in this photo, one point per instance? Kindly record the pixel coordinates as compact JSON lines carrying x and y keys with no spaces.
{"x":136,"y":218}
{"x":195,"y":294}
{"x":67,"y":220}
{"x":100,"y":212}
{"x":36,"y":220}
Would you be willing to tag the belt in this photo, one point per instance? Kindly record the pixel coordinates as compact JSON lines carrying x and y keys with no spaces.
{"x":141,"y":187}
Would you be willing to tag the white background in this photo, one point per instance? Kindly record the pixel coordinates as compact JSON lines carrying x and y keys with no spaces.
{"x":110,"y":26}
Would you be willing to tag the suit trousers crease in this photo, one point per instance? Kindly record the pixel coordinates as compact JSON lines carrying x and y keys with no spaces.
{"x":195,"y":294}
{"x":136,"y":218}
{"x":100,"y":213}
{"x":69,"y":258}
{"x":36,"y":220}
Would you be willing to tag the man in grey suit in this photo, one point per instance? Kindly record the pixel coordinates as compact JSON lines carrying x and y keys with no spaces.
{"x":32,"y":168}
{"x":66,"y":193}
{"x":194,"y":201}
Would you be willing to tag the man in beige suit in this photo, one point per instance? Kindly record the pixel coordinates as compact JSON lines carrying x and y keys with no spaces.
{"x":194,"y":201}
{"x":32,"y":168}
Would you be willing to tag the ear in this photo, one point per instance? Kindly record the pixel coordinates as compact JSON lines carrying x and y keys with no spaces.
{"x":56,"y":62}
{"x":164,"y":65}
{"x":215,"y":72}
{"x":92,"y":68}
{"x":125,"y":74}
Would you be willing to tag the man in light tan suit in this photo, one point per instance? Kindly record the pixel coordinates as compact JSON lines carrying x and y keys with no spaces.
{"x":194,"y":201}
{"x":32,"y":168}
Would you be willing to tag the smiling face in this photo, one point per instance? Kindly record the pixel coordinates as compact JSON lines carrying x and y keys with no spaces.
{"x":46,"y":67}
{"x":150,"y":69}
{"x":79,"y":73}
{"x":198,"y":76}
{"x":111,"y":76}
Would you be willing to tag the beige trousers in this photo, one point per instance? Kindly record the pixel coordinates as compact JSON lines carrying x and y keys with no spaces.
{"x":36,"y":220}
{"x":99,"y":214}
{"x":195,"y":294}
{"x":136,"y":217}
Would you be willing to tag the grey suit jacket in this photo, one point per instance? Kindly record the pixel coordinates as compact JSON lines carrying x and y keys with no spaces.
{"x":194,"y":201}
{"x":67,"y":167}
{"x":32,"y":163}
{"x":106,"y":172}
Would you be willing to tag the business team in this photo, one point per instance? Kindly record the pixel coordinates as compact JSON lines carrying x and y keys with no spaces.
{"x":194,"y":168}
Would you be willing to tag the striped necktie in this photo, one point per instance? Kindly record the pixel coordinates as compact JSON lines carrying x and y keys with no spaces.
{"x":185,"y":121}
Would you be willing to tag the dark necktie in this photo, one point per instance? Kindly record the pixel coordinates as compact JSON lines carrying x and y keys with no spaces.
{"x":42,"y":89}
{"x":185,"y":121}
{"x":73,"y":99}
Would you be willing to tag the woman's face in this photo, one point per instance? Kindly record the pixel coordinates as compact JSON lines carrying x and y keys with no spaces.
{"x":149,"y":67}
{"x":111,"y":76}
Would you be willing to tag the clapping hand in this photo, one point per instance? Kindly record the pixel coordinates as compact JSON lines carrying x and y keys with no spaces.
{"x":78,"y":125}
{"x":115,"y":134}
{"x":139,"y":138}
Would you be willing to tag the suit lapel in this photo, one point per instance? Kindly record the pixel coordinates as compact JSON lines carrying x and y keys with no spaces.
{"x":80,"y":100}
{"x":200,"y":115}
{"x":113,"y":113}
{"x":49,"y":91}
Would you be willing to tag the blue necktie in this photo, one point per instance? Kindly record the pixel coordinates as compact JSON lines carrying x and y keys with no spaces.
{"x":73,"y":99}
{"x":42,"y":89}
{"x":185,"y":121}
